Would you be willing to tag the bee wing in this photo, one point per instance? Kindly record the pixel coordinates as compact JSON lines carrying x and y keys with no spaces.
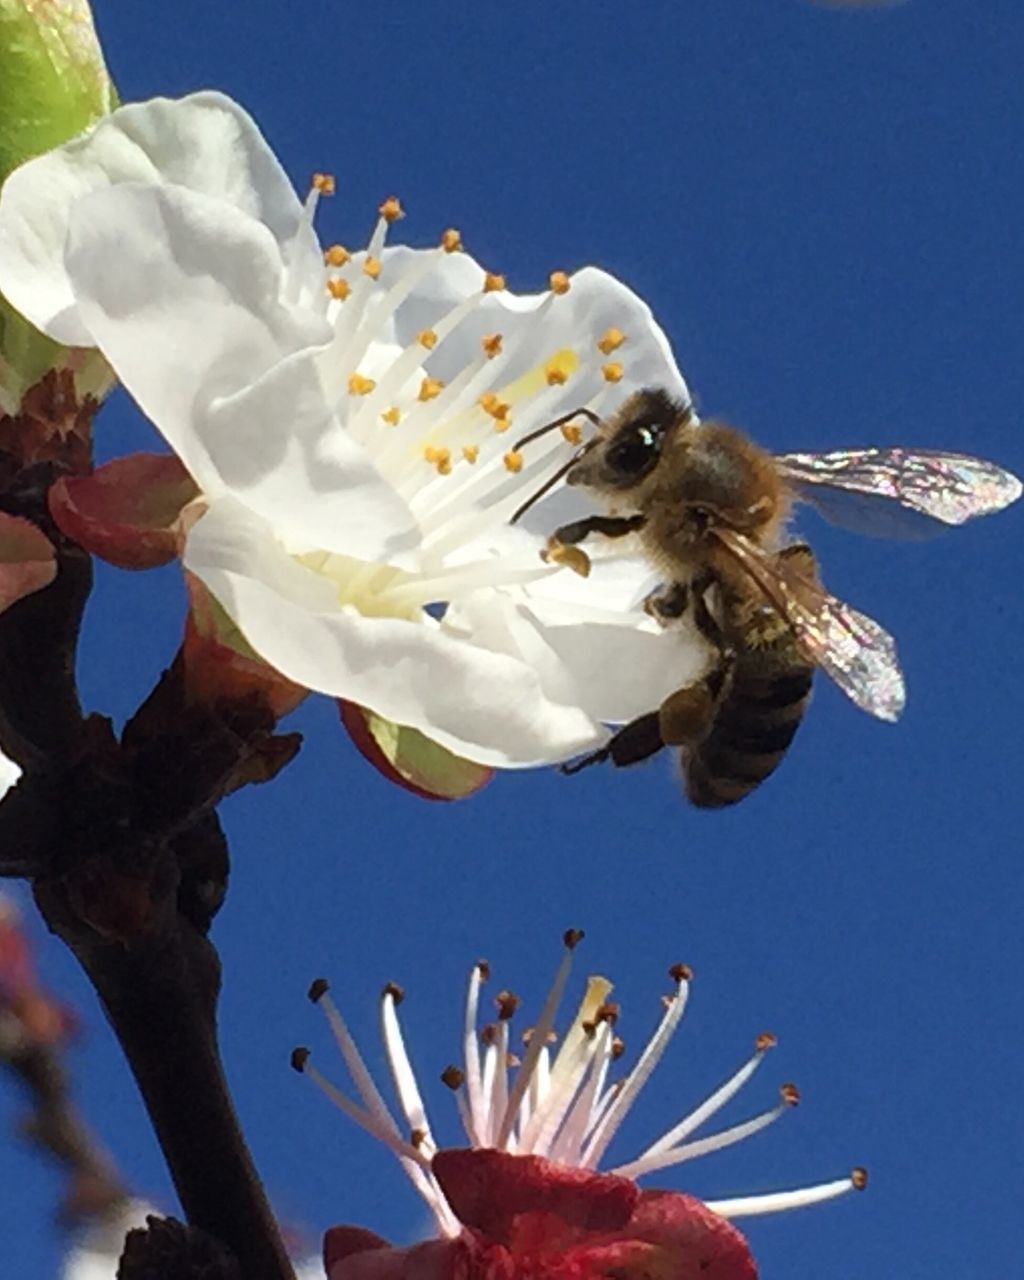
{"x":898,"y":492}
{"x":857,"y":653}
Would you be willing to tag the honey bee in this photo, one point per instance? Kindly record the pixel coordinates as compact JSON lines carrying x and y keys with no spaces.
{"x":710,"y":509}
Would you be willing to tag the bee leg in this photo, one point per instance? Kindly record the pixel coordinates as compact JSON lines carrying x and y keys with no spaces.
{"x":607,"y":526}
{"x":633,"y":742}
{"x":668,"y":602}
{"x":685,"y":716}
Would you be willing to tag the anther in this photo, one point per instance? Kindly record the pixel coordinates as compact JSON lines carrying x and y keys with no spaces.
{"x":612,"y":372}
{"x":491,"y":343}
{"x":438,"y":457}
{"x":371,"y":268}
{"x":493,"y":406}
{"x":393,"y":990}
{"x":339,"y":289}
{"x":859,"y":1178}
{"x":513,"y":461}
{"x":790,"y":1095}
{"x":392,"y":416}
{"x":360,"y":386}
{"x":488,"y":1034}
{"x":618,"y":1048}
{"x":607,"y":1012}
{"x":555,"y":374}
{"x":506,"y":1003}
{"x":493,"y":282}
{"x":427,"y":338}
{"x":451,"y":240}
{"x":483,"y":967}
{"x":559,"y":282}
{"x":336,"y":255}
{"x":471,"y":452}
{"x":453,"y":1077}
{"x":611,"y":341}
{"x":572,"y":938}
{"x":391,"y":209}
{"x":324,"y":183}
{"x":299,"y":1059}
{"x":417,"y":1137}
{"x":430,"y":389}
{"x":572,"y":433}
{"x":317,"y":988}
{"x":766,"y":1040}
{"x":530,"y":1032}
{"x":681,"y":973}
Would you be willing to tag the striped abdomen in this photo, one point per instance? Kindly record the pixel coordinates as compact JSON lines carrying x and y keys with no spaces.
{"x":759,"y":710}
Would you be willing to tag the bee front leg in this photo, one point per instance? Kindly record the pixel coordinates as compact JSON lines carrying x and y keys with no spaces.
{"x":563,"y":545}
{"x":633,"y":742}
{"x":668,"y":602}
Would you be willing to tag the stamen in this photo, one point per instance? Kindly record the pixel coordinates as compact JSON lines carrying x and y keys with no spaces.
{"x":780,"y":1201}
{"x":338,"y":288}
{"x":451,"y":240}
{"x":476,"y":1125}
{"x":323,"y":183}
{"x":493,"y":283}
{"x":559,"y":282}
{"x":494,"y":406}
{"x":612,"y":372}
{"x":491,"y":343}
{"x":391,"y":209}
{"x":572,"y":433}
{"x":402,"y":1073}
{"x":440,"y":458}
{"x":336,"y":255}
{"x":471,"y":452}
{"x":372,"y":268}
{"x":430,"y":389}
{"x":611,"y":341}
{"x":427,"y":338}
{"x":513,"y":461}
{"x":392,"y":416}
{"x":360,"y":386}
{"x":556,"y":371}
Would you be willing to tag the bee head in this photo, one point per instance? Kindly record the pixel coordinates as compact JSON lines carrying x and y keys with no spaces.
{"x":629,"y":446}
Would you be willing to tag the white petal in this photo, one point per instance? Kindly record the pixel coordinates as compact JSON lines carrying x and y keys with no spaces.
{"x":482,"y":705}
{"x":204,"y":142}
{"x":9,"y":774}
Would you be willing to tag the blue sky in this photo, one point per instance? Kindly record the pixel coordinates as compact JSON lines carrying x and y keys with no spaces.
{"x":824,"y":209}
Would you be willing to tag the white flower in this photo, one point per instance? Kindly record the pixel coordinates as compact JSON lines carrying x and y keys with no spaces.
{"x":560,"y":1105}
{"x":347,"y":421}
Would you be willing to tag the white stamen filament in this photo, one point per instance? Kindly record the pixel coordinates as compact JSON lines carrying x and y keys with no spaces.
{"x":703,"y":1146}
{"x":403,"y":1074}
{"x":780,"y":1201}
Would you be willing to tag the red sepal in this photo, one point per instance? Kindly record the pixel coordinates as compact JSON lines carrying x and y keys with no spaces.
{"x":27,"y":559}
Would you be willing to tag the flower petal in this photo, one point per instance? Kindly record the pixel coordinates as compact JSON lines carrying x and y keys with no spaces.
{"x":707,"y":1246}
{"x":353,"y":1253}
{"x":204,"y":142}
{"x":482,"y":705}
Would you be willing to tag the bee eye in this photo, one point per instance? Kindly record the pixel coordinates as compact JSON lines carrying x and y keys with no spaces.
{"x":635,"y":452}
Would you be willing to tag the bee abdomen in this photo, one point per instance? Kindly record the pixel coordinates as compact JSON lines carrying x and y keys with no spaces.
{"x":750,"y":734}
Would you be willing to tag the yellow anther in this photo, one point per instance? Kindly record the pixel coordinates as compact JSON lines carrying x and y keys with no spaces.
{"x":324,"y":183}
{"x":339,"y":289}
{"x":493,"y":282}
{"x":572,"y":433}
{"x":430,"y":389}
{"x":513,"y":461}
{"x":439,"y":458}
{"x":392,"y":416}
{"x":491,"y":405}
{"x":559,"y":282}
{"x":491,"y":343}
{"x":427,"y":338}
{"x":555,"y":373}
{"x":613,"y":371}
{"x":451,"y":240}
{"x":336,"y":255}
{"x":502,"y":423}
{"x":391,"y":210}
{"x":371,"y":268}
{"x":360,"y":386}
{"x":471,"y":452}
{"x":611,"y":341}
{"x":574,"y":558}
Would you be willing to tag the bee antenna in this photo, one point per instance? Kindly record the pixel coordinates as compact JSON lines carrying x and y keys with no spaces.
{"x":550,"y":483}
{"x":589,"y":414}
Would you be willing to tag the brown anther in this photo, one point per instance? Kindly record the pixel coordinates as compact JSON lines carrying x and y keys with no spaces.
{"x":572,"y":938}
{"x":607,"y":1012}
{"x":427,"y":338}
{"x":618,"y":1047}
{"x":336,"y":255}
{"x":766,"y":1040}
{"x":360,"y":386}
{"x":324,"y":183}
{"x":391,"y":209}
{"x":574,"y":558}
{"x":612,"y":372}
{"x":299,"y":1059}
{"x":430,"y":389}
{"x":451,"y":240}
{"x":453,"y":1077}
{"x":790,"y":1095}
{"x":572,"y":433}
{"x":393,"y":990}
{"x":488,"y":1034}
{"x":483,"y":967}
{"x":493,"y":282}
{"x":555,"y":374}
{"x":471,"y":452}
{"x":491,"y":343}
{"x":681,"y":973}
{"x":611,"y":341}
{"x":530,"y":1032}
{"x":338,"y":288}
{"x":512,"y":1060}
{"x":392,"y":416}
{"x":588,"y":1029}
{"x":559,"y":282}
{"x":317,"y":988}
{"x":513,"y":461}
{"x":506,"y":1003}
{"x":417,"y":1137}
{"x":372,"y":268}
{"x":859,"y":1178}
